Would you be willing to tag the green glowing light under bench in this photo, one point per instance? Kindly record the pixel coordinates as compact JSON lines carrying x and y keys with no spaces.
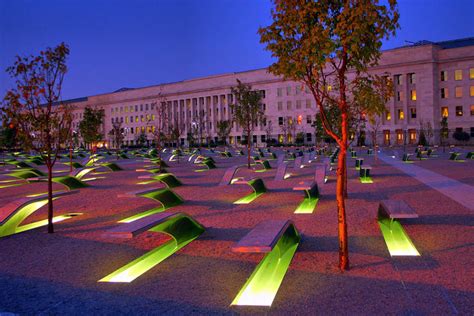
{"x":248,"y":198}
{"x":142,"y":215}
{"x":396,"y":238}
{"x":366,"y":180}
{"x":181,"y":228}
{"x":307,"y":206}
{"x":262,"y":286}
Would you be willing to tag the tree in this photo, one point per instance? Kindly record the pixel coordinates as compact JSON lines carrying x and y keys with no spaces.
{"x":35,"y":109}
{"x":268,"y":132}
{"x":161,"y":123}
{"x":8,"y":136}
{"x":117,"y":136}
{"x":90,"y":125}
{"x":141,"y":139}
{"x":247,"y":111}
{"x":223,"y":130}
{"x":314,"y":41}
{"x":444,"y":132}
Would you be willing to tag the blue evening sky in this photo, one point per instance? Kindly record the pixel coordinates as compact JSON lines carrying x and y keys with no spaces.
{"x":136,"y":43}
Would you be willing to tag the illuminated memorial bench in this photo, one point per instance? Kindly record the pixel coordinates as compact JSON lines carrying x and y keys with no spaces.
{"x":73,"y":181}
{"x":14,"y":213}
{"x":320,"y":175}
{"x":208,"y":162}
{"x":454,"y":156}
{"x":406,"y":157}
{"x":278,"y":239}
{"x":257,"y":186}
{"x":396,"y":238}
{"x":470,"y":155}
{"x":181,"y":227}
{"x":167,"y":179}
{"x":358,"y":163}
{"x":229,"y":174}
{"x":264,"y":163}
{"x":165,"y":197}
{"x":364,"y":174}
{"x":311,"y":197}
{"x":281,"y":172}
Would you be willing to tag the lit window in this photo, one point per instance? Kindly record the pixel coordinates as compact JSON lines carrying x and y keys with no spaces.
{"x":413,"y":113}
{"x":126,"y":119}
{"x":153,"y":117}
{"x":444,"y":93}
{"x":458,"y":92}
{"x":388,"y":116}
{"x":471,"y":91}
{"x":472,"y":110}
{"x":300,"y":119}
{"x":471,"y":73}
{"x":136,"y":118}
{"x":329,"y":88}
{"x":444,"y":111}
{"x":401,"y":114}
{"x":413,"y":95}
{"x":444,"y":75}
{"x":412,"y":133}
{"x":458,"y":75}
{"x":459,"y":111}
{"x":141,"y":118}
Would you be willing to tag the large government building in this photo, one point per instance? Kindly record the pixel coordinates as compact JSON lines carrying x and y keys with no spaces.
{"x":431,"y":81}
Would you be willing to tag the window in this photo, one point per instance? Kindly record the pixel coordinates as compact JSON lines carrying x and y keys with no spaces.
{"x":126,"y":119}
{"x":141,"y":107}
{"x":413,"y":113}
{"x":288,"y":105}
{"x":386,"y":137}
{"x":388,"y":116}
{"x":472,"y":110}
{"x":458,"y":92}
{"x":412,"y":135}
{"x":459,"y":111}
{"x":298,"y":104}
{"x":280,"y":120}
{"x":398,"y":79}
{"x":413,"y":95}
{"x":412,"y":78}
{"x":136,"y":118}
{"x":308,"y":104}
{"x":458,"y":75}
{"x":471,"y":73}
{"x":146,"y":107}
{"x":401,"y":114}
{"x":472,"y":131}
{"x":279,"y":92}
{"x":297,"y":90}
{"x":136,"y":108}
{"x":309,"y":118}
{"x":288,"y":90}
{"x":309,"y":137}
{"x":131,"y":130}
{"x":399,"y":133}
{"x":131,"y":108}
{"x":444,"y":75}
{"x":444,"y":111}
{"x":262,"y":93}
{"x":471,"y":91}
{"x":444,"y":93}
{"x":399,"y":95}
{"x":280,"y":106}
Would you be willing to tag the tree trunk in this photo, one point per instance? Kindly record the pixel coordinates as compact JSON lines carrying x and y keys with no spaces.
{"x":345,"y":177}
{"x":50,"y":198}
{"x":70,"y":158}
{"x":248,"y":149}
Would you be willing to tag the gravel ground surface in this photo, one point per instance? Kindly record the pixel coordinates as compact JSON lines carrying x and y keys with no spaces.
{"x":57,"y":273}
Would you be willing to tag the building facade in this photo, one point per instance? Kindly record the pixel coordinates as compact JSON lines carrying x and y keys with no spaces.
{"x":431,"y":81}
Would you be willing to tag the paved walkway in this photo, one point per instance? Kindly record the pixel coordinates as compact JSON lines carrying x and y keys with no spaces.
{"x":455,"y":190}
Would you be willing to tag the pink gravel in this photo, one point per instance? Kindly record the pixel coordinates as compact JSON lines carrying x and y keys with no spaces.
{"x":42,"y":273}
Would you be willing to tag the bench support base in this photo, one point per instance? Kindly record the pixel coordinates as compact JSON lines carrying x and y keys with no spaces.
{"x":396,"y":238}
{"x":307,"y":206}
{"x":181,"y":228}
{"x":262,"y":286}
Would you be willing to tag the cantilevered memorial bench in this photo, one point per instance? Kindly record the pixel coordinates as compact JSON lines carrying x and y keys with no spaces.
{"x":229,"y":175}
{"x":258,"y":187}
{"x":311,"y":197}
{"x":396,"y":238}
{"x":278,"y":239}
{"x":73,"y":181}
{"x":181,"y":227}
{"x":298,"y":162}
{"x":364,"y":174}
{"x":14,"y":213}
{"x":168,"y":179}
{"x":265,"y":165}
{"x":166,"y":197}
{"x":207,"y":162}
{"x":407,"y":157}
{"x":321,"y":173}
{"x":358,"y":163}
{"x":281,"y":173}
{"x":470,"y":155}
{"x":455,"y":157}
